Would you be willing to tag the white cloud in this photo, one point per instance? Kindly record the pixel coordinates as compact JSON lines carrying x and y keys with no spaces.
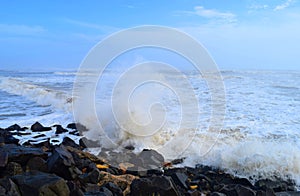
{"x":91,"y":25}
{"x":284,"y":5}
{"x":258,"y":7}
{"x":21,"y":29}
{"x":214,"y":14}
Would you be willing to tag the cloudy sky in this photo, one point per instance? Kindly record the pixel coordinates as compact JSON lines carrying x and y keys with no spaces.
{"x":246,"y":34}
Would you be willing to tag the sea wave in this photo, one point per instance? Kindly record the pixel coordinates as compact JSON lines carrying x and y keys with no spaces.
{"x":39,"y":94}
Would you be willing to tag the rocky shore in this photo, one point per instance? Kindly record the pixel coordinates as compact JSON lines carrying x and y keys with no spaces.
{"x":46,"y":168}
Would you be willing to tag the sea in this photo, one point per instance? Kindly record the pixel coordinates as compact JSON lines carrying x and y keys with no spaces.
{"x":260,"y":135}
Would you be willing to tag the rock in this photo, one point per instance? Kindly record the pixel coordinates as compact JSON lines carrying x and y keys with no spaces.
{"x":91,"y":177}
{"x":288,"y":193}
{"x":217,"y":194}
{"x":276,"y":186}
{"x":69,"y":142}
{"x":37,"y":127}
{"x":13,"y":128}
{"x":129,"y":147}
{"x":13,"y":168}
{"x":158,"y":185}
{"x":180,"y":179}
{"x":61,"y":163}
{"x":77,"y":126}
{"x":244,"y":191}
{"x":38,"y":164}
{"x":39,"y":183}
{"x":74,"y":190}
{"x":60,"y":129}
{"x":3,"y":159}
{"x":151,"y":159}
{"x":21,"y":154}
{"x":71,"y":126}
{"x":8,"y":187}
{"x":7,"y":137}
{"x":117,"y":191}
{"x":122,"y":181}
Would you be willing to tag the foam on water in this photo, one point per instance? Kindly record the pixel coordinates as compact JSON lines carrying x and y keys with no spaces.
{"x":261,"y":137}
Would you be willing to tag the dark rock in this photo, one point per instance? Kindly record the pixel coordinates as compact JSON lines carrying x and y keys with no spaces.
{"x":71,"y":126}
{"x":177,"y":161}
{"x":194,"y":193}
{"x":60,"y":129}
{"x":38,"y":183}
{"x":159,"y":185}
{"x":244,"y":182}
{"x":13,"y":127}
{"x":37,"y":127}
{"x":8,"y":187}
{"x":21,"y":154}
{"x":38,"y":164}
{"x":105,"y":191}
{"x":7,"y":137}
{"x":276,"y":186}
{"x":288,"y":193}
{"x":13,"y":168}
{"x":61,"y":163}
{"x":244,"y":191}
{"x":74,"y":189}
{"x":129,"y":147}
{"x":151,"y":159}
{"x":69,"y":142}
{"x":180,"y":179}
{"x":217,"y":194}
{"x":3,"y":159}
{"x":91,"y":177}
{"x":113,"y":188}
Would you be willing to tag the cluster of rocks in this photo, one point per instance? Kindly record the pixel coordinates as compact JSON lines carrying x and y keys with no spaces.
{"x":67,"y":169}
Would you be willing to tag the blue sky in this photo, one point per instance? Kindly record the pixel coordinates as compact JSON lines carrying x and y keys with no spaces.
{"x":246,"y":34}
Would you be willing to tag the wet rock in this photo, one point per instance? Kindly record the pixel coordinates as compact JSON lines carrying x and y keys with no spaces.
{"x":38,"y":127}
{"x":69,"y":142}
{"x":60,"y":129}
{"x":151,"y":159}
{"x":38,"y":164}
{"x":13,"y":127}
{"x":77,"y":126}
{"x":21,"y":154}
{"x":276,"y":186}
{"x":38,"y":183}
{"x":8,"y":187}
{"x":13,"y":168}
{"x":61,"y":163}
{"x":180,"y":179}
{"x":159,"y":185}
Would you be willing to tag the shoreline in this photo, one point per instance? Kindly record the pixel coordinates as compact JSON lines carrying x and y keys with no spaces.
{"x":66,"y":169}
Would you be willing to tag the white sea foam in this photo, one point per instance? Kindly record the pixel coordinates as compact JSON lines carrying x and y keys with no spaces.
{"x":39,"y":94}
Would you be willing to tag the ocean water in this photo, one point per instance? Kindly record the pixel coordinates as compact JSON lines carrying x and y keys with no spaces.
{"x":260,"y":136}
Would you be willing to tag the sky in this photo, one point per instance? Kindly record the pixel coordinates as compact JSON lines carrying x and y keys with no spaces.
{"x":57,"y":35}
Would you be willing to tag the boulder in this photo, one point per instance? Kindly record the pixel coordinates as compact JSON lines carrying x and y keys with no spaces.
{"x":158,"y":185}
{"x":39,"y":183}
{"x":37,"y":164}
{"x":61,"y":163}
{"x":38,"y":127}
{"x":60,"y":129}
{"x":21,"y":154}
{"x":13,"y":127}
{"x":8,"y":187}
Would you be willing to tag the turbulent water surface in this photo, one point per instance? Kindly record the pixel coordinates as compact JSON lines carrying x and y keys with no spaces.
{"x":260,"y":138}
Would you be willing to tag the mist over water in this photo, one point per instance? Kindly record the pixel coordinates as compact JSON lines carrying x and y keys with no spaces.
{"x":260,"y":137}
